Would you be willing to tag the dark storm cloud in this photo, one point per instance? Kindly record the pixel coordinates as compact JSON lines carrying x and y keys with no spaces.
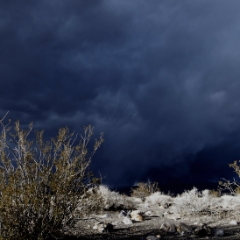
{"x":160,"y":78}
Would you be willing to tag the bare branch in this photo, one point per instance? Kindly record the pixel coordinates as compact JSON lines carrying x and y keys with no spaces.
{"x":2,"y":119}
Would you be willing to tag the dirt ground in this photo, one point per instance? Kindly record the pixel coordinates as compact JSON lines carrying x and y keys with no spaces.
{"x":83,"y":229}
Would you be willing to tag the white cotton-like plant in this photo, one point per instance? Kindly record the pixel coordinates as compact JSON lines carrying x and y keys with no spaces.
{"x":158,"y":199}
{"x":229,"y":202}
{"x":206,"y":194}
{"x":197,"y":203}
{"x":137,"y":200}
{"x":192,"y":202}
{"x":227,"y":206}
{"x":114,"y":200}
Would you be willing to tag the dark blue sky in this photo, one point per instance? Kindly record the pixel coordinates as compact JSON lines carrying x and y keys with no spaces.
{"x":161,"y":79}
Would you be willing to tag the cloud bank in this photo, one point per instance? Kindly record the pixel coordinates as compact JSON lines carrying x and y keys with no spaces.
{"x":159,"y":78}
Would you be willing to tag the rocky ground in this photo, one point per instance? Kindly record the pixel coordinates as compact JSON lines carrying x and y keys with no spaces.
{"x":153,"y":227}
{"x":192,"y":215}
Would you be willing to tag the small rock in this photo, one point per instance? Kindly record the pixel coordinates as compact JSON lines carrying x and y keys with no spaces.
{"x":95,"y":226}
{"x":172,"y":228}
{"x":99,"y":226}
{"x":136,"y":216}
{"x":164,"y":227}
{"x":115,"y":223}
{"x":134,"y":212}
{"x":127,"y":221}
{"x":233,"y":222}
{"x":148,"y":213}
{"x":218,"y":232}
{"x":103,"y":227}
{"x":153,"y":237}
{"x":166,"y":213}
{"x":168,"y":227}
{"x":122,"y":214}
{"x":183,"y":228}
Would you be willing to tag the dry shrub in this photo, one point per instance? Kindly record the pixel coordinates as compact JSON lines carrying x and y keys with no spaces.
{"x":90,"y":201}
{"x":41,"y":181}
{"x":144,"y":189}
{"x":232,"y":186}
{"x":214,"y":193}
{"x":237,"y":190}
{"x":113,"y":200}
{"x":196,"y":203}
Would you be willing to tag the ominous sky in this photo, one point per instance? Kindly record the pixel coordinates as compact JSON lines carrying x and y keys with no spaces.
{"x":160,"y":78}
